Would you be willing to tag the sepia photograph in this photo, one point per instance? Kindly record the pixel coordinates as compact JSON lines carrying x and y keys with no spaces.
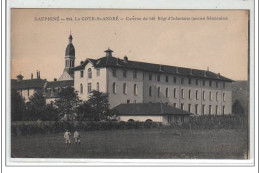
{"x":129,"y":84}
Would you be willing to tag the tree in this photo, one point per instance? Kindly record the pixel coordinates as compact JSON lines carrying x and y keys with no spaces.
{"x":36,"y":107}
{"x":85,"y":112}
{"x":237,"y":108}
{"x":99,"y":104}
{"x":18,"y":107}
{"x":68,"y":101}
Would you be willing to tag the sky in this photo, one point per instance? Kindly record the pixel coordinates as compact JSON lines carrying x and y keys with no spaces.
{"x":199,"y":39}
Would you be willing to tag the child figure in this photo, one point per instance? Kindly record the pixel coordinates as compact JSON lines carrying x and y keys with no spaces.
{"x":67,"y":137}
{"x":77,"y":137}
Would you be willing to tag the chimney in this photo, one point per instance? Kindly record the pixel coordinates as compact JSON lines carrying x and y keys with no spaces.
{"x":31,"y":75}
{"x":39,"y":77}
{"x":55,"y":79}
{"x":218,"y":75}
{"x":207,"y":68}
{"x":125,"y":59}
{"x":81,"y":62}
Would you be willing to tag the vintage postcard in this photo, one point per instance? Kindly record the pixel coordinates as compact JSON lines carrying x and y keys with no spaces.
{"x":129,"y":84}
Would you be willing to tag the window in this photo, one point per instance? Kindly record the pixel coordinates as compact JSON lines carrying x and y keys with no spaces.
{"x":158,"y":77}
{"x":114,"y":87}
{"x":28,"y":92}
{"x":135,"y":89}
{"x":224,"y":99}
{"x":224,"y":84}
{"x":223,"y":110}
{"x":182,"y":106}
{"x":182,"y":80}
{"x":174,"y":79}
{"x":150,"y":76}
{"x":135,"y":74}
{"x":174,"y":105}
{"x":210,"y":82}
{"x":167,"y":92}
{"x":203,"y":95}
{"x":81,"y":89}
{"x":124,"y":73}
{"x":197,"y":81}
{"x":216,"y":109}
{"x":89,"y":73}
{"x":197,"y":94}
{"x":210,"y":96}
{"x":128,"y":101}
{"x":196,"y":109}
{"x":216,"y":84}
{"x":189,"y":80}
{"x":98,"y":72}
{"x":216,"y":96}
{"x":150,"y":91}
{"x":174,"y":92}
{"x":114,"y":72}
{"x":158,"y":91}
{"x":210,"y":111}
{"x":203,"y":82}
{"x":166,"y":79}
{"x":189,"y":94}
{"x":169,"y":118}
{"x":89,"y":88}
{"x":81,"y":73}
{"x":203,"y":110}
{"x":97,"y":86}
{"x":189,"y":107}
{"x":182,"y":93}
{"x":124,"y":88}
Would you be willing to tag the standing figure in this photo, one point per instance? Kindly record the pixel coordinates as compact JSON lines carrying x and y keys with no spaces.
{"x":77,"y":137}
{"x":67,"y":137}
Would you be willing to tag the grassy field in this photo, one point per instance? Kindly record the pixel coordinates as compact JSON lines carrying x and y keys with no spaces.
{"x":139,"y":143}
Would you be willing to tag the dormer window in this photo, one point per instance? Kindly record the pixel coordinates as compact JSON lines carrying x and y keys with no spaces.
{"x":124,"y":73}
{"x":81,"y":73}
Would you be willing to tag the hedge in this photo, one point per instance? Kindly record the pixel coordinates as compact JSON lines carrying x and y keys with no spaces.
{"x":196,"y":122}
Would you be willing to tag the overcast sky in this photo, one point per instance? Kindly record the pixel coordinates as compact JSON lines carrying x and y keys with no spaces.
{"x":221,"y":45}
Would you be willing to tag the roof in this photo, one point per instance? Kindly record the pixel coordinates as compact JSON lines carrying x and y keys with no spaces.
{"x":149,"y":67}
{"x":60,"y":84}
{"x":28,"y":84}
{"x":148,"y":109}
{"x":70,"y":50}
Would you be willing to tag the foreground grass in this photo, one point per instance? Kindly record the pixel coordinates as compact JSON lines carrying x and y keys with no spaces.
{"x":138,"y":143}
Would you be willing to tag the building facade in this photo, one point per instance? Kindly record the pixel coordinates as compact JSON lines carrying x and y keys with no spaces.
{"x":196,"y":91}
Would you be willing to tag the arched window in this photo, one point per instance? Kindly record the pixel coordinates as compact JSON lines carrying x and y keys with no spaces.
{"x":158,"y":91}
{"x":150,"y":91}
{"x":189,"y":94}
{"x":210,"y":96}
{"x":203,"y":95}
{"x":114,"y":87}
{"x":167,"y":92}
{"x":97,"y":86}
{"x":125,"y":88}
{"x":224,"y":99}
{"x":135,"y":89}
{"x":216,"y":96}
{"x":89,"y":73}
{"x":81,"y":88}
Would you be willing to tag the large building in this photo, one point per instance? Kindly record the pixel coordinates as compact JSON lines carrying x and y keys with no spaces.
{"x":125,"y":81}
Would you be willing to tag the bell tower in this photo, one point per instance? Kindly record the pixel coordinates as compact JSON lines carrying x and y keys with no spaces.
{"x":68,"y":73}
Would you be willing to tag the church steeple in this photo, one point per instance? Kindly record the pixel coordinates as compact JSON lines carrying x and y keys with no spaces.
{"x":68,"y":73}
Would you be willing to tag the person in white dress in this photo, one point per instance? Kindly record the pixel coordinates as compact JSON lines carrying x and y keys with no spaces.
{"x":67,"y":137}
{"x":77,"y":137}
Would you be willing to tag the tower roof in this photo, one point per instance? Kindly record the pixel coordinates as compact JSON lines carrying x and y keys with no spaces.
{"x":70,"y":50}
